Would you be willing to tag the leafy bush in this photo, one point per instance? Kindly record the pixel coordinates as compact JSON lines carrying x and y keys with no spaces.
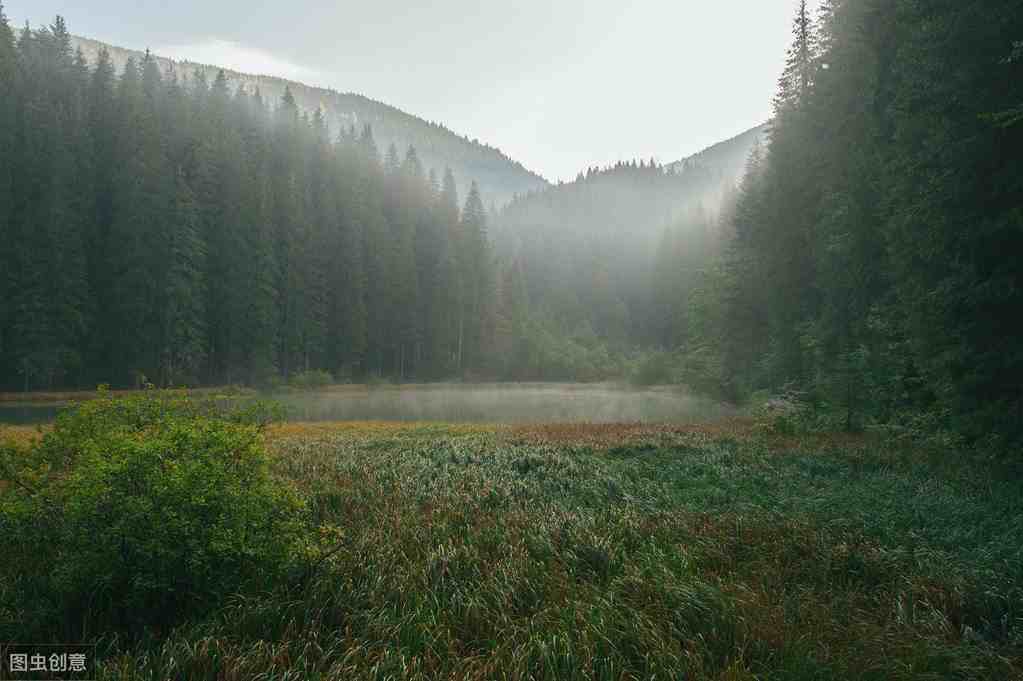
{"x":701,"y":369}
{"x":653,"y":368}
{"x":311,"y":380}
{"x":376,"y":380}
{"x":136,"y":512}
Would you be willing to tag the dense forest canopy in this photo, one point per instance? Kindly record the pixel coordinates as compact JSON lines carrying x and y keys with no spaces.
{"x":194,"y":231}
{"x":198,"y":234}
{"x":499,"y":178}
{"x":875,"y":265}
{"x":602,"y":253}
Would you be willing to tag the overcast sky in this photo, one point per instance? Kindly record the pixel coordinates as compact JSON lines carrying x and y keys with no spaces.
{"x":556,"y":84}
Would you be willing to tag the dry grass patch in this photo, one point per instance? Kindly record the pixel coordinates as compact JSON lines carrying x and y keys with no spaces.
{"x":23,"y":435}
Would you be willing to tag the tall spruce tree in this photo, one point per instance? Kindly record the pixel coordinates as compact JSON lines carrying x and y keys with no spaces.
{"x":175,"y":232}
{"x":8,"y":105}
{"x":476,"y":281}
{"x":50,"y":292}
{"x":953,"y":192}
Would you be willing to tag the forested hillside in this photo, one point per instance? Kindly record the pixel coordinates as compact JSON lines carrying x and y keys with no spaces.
{"x":192,"y":232}
{"x":590,"y":249}
{"x":728,"y":158}
{"x":875,"y":265}
{"x":498,"y":177}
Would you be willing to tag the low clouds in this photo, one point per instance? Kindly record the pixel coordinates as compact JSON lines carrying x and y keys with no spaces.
{"x":237,"y":57}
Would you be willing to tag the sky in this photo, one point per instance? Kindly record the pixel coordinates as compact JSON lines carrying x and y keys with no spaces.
{"x":559,"y":85}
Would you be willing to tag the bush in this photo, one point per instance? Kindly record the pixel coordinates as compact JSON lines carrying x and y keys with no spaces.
{"x":311,"y":380}
{"x":653,"y":368}
{"x":376,"y":380}
{"x":135,"y":513}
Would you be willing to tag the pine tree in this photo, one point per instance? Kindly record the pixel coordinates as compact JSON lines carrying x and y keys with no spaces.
{"x":8,"y":106}
{"x":50,"y":294}
{"x":258,"y":326}
{"x":446,"y":314}
{"x":143,"y":200}
{"x":410,"y":199}
{"x":797,"y":77}
{"x":953,"y":188}
{"x":376,"y":245}
{"x":209,"y":240}
{"x":288,"y":203}
{"x":184,"y":339}
{"x":103,"y":131}
{"x":476,"y":280}
{"x":347,"y":272}
{"x":320,"y":231}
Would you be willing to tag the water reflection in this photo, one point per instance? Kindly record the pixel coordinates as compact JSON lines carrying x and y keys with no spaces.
{"x":29,"y":413}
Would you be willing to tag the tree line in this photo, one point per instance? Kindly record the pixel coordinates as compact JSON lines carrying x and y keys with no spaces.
{"x":872,"y":258}
{"x":587,"y":247}
{"x":867,"y":261}
{"x":190,"y":234}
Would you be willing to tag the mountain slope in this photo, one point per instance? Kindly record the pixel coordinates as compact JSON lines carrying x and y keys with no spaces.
{"x":588,"y":247}
{"x":499,"y":177}
{"x":630,"y":203}
{"x":728,"y":158}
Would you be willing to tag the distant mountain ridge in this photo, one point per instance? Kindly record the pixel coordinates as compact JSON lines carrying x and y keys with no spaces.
{"x":728,"y":157}
{"x":638,"y":200}
{"x":500,"y":178}
{"x":588,"y":248}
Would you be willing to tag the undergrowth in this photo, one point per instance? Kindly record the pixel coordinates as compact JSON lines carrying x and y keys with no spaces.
{"x":615,"y":552}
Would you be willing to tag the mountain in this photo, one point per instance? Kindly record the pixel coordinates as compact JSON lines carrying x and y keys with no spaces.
{"x":587,"y":248}
{"x":727,"y":157}
{"x":629,"y":201}
{"x":499,"y":177}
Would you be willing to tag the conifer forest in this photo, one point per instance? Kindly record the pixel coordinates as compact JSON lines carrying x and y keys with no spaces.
{"x":192,"y":233}
{"x":297,"y":385}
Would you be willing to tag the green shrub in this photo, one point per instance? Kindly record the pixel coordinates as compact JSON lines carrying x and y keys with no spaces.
{"x":135,"y":513}
{"x":376,"y":381}
{"x":653,"y":368}
{"x":311,"y":380}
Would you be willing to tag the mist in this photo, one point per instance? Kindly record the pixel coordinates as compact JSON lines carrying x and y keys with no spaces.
{"x":414,"y":341}
{"x":506,"y":403}
{"x":591,"y":83}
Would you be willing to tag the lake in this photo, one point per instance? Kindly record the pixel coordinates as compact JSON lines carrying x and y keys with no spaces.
{"x":470,"y":403}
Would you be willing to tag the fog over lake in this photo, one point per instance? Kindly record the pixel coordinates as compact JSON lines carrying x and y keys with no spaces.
{"x":491,"y":402}
{"x":504,"y":403}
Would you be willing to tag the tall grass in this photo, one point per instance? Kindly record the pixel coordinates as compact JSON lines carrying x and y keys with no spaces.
{"x":619,"y":553}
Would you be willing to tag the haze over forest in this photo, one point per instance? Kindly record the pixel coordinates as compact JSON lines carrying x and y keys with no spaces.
{"x":191,"y":225}
{"x":313,"y":384}
{"x":555,"y":87}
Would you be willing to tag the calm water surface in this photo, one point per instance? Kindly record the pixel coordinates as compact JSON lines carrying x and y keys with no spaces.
{"x":499,"y":403}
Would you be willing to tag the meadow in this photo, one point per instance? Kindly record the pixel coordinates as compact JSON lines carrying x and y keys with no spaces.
{"x":718,"y":551}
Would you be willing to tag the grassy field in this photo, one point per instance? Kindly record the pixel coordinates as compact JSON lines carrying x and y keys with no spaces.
{"x":621,"y":552}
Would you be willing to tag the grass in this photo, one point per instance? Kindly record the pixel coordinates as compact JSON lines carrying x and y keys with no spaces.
{"x":621,"y":552}
{"x":22,"y":435}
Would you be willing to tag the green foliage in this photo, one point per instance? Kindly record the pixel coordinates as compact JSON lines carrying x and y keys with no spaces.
{"x":619,"y":247}
{"x":869,"y":263}
{"x":654,"y":368}
{"x":574,"y":552}
{"x":311,"y":380}
{"x":135,"y":513}
{"x":174,"y":225}
{"x":544,"y":352}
